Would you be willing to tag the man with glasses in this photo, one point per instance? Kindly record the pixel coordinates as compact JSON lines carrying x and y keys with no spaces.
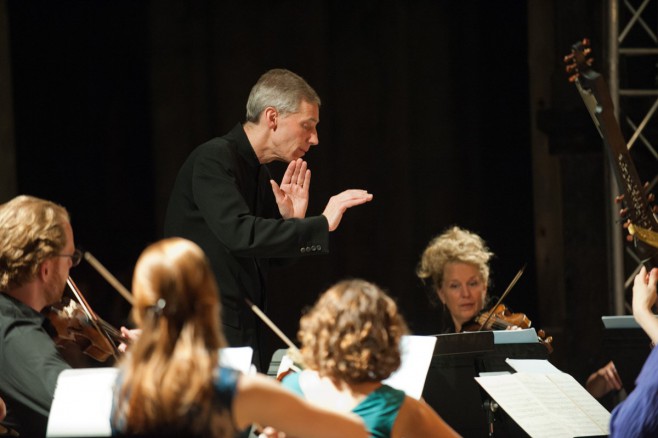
{"x":36,"y":252}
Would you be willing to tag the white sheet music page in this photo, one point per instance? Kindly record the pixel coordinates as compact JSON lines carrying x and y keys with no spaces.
{"x":548,"y":405}
{"x":416,"y":352}
{"x":238,"y":358}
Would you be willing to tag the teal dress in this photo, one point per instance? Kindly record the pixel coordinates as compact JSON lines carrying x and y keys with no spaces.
{"x":378,"y":410}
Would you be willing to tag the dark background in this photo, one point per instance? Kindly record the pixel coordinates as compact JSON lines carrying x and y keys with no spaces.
{"x":424,"y":103}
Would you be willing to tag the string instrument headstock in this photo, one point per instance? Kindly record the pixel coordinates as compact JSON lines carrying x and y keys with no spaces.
{"x":579,"y":62}
{"x":596,"y":95}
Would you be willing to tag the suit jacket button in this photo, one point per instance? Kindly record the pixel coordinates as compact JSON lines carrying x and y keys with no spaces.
{"x":319,"y":247}
{"x":302,"y":250}
{"x":314,"y":248}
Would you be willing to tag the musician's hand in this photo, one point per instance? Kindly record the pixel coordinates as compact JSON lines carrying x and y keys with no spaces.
{"x":130,"y":335}
{"x":292,"y":195}
{"x":603,"y":381}
{"x":644,"y":290}
{"x":3,"y":409}
{"x":644,"y":298}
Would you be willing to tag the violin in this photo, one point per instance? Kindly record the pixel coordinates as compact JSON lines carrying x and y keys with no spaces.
{"x":73,"y":326}
{"x":75,"y":323}
{"x":501,"y":318}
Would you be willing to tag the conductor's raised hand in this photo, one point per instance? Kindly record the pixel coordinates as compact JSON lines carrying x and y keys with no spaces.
{"x":292,"y":195}
{"x":339,"y":203}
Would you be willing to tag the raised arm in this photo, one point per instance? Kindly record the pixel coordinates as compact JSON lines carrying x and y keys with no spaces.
{"x":262,"y":400}
{"x":644,"y":298}
{"x":292,"y":195}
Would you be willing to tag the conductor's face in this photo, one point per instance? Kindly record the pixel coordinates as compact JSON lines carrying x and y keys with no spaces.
{"x":297,"y":132}
{"x":463,"y":292}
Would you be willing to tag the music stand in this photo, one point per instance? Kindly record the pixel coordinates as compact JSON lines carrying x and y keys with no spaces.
{"x":626,"y":344}
{"x":458,"y":358}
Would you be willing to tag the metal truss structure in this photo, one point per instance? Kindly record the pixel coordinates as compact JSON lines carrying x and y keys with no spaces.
{"x":632,"y":43}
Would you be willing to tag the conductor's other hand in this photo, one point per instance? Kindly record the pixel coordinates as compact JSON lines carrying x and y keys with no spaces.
{"x":292,"y":195}
{"x":603,"y":381}
{"x":339,"y":203}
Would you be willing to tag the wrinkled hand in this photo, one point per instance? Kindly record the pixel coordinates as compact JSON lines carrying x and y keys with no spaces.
{"x":604,"y":380}
{"x":292,"y":195}
{"x":339,"y":203}
{"x":130,"y":335}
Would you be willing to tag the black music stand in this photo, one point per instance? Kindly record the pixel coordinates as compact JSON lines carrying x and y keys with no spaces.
{"x":451,"y":389}
{"x":626,"y":344}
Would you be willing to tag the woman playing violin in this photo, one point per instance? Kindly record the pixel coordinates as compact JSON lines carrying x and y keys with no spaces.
{"x":457,"y":264}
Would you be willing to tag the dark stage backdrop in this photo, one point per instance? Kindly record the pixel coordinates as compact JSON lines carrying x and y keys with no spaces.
{"x":425,"y":104}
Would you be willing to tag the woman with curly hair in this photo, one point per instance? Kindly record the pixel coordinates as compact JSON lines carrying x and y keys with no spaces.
{"x":456,"y":263}
{"x":350,"y":343}
{"x":171,"y":383}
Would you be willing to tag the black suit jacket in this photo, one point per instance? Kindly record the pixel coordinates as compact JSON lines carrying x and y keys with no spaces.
{"x":223,"y":201}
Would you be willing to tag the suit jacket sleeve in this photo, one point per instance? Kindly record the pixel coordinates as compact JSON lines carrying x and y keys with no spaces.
{"x":221,"y":201}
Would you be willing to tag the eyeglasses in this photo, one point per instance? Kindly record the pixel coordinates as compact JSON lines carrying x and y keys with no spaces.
{"x":76,"y":257}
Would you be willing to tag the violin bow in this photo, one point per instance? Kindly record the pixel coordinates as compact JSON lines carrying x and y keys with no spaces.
{"x":500,"y":300}
{"x":273,"y":326}
{"x":125,"y":293}
{"x":91,"y":314}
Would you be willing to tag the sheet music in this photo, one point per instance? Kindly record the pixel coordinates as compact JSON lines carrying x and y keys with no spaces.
{"x":69,"y":417}
{"x":548,"y":405}
{"x":532,"y":366}
{"x":238,"y":358}
{"x":416,"y":356}
{"x":588,"y":404}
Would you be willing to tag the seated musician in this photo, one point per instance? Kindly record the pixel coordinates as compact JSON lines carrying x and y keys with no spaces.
{"x":36,"y":252}
{"x":170,"y":382}
{"x":457,"y":265}
{"x":637,"y":416}
{"x":350,"y":343}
